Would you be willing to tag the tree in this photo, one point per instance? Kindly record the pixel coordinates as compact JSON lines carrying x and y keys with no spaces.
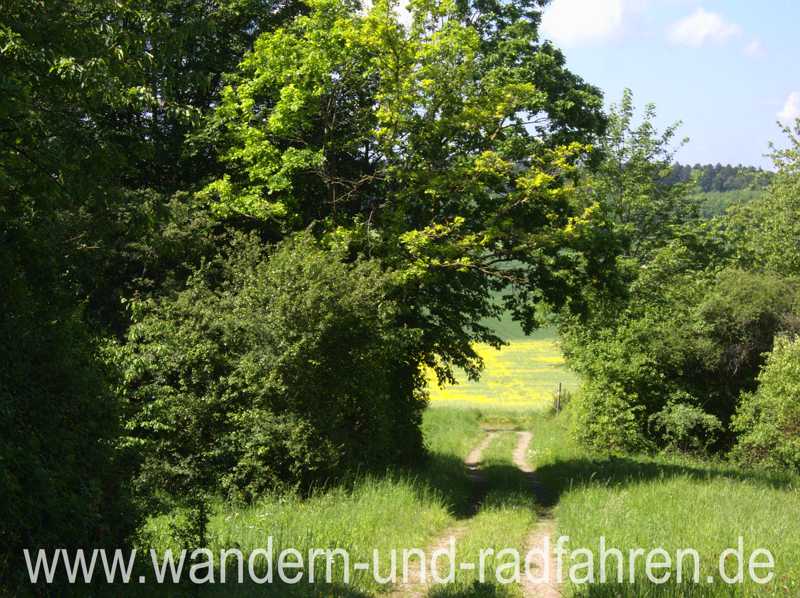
{"x":636,"y":346}
{"x":445,"y":149}
{"x":669,"y":358}
{"x":630,"y":181}
{"x":63,"y":483}
{"x":98,"y":98}
{"x":766,"y":232}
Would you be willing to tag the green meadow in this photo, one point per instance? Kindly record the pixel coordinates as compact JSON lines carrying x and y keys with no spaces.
{"x":671,"y":502}
{"x":637,"y":501}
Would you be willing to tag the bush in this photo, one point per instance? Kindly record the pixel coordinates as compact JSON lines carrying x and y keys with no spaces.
{"x":270,"y":371}
{"x":684,"y":426}
{"x":682,"y":335}
{"x":768,"y":420}
{"x":606,"y":419}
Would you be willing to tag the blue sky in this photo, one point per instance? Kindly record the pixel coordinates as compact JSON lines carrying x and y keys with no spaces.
{"x":728,"y":69}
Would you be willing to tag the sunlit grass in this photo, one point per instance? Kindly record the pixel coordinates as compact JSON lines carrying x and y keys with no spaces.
{"x":400,"y":510}
{"x":671,"y":502}
{"x":503,"y":522}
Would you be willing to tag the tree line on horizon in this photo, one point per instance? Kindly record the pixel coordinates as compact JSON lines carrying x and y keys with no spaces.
{"x":711,"y":178}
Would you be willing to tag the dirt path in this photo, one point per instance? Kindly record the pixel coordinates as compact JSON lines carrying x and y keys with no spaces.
{"x":543,"y":532}
{"x":415,"y":586}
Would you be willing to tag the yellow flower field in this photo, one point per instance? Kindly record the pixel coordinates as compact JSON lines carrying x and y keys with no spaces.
{"x":526,"y":373}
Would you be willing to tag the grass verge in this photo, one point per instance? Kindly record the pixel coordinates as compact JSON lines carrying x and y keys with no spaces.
{"x":670,"y":502}
{"x":396,"y":511}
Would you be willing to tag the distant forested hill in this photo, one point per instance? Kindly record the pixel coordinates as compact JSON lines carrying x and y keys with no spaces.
{"x":719,"y":187}
{"x":719,"y":178}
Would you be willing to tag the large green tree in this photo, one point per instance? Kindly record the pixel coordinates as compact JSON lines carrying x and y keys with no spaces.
{"x":61,"y":484}
{"x":445,"y":148}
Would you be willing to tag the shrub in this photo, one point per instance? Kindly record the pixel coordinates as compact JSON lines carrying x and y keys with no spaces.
{"x":685,"y":334}
{"x":269,"y":371}
{"x":282,"y":452}
{"x":684,"y":426}
{"x":607,"y":419}
{"x":768,"y":420}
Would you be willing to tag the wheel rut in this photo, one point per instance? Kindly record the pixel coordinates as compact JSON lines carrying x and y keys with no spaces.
{"x":416,"y":586}
{"x":538,"y":584}
{"x":543,"y":581}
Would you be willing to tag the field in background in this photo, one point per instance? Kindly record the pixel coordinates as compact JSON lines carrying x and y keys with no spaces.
{"x":524,"y":374}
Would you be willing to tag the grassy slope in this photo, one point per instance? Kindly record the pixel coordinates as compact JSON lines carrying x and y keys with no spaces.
{"x":716,"y":203}
{"x":672,"y":502}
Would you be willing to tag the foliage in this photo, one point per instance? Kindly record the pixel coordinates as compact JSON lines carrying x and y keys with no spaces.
{"x":414,"y":180}
{"x":686,"y":427}
{"x":716,"y":203}
{"x":445,"y":149}
{"x":62,"y":483}
{"x":269,"y":372}
{"x":688,"y":338}
{"x":716,"y":178}
{"x":768,"y":419}
{"x":97,"y":100}
{"x":767,"y":231}
{"x":616,"y":345}
{"x":628,"y":181}
{"x":666,"y":354}
{"x":607,"y":419}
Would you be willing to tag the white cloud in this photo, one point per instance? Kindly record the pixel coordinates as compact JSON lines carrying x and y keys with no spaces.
{"x":403,"y":13}
{"x":400,"y":9}
{"x":791,"y":109}
{"x":755,"y":49}
{"x":580,"y":22}
{"x":702,"y":27}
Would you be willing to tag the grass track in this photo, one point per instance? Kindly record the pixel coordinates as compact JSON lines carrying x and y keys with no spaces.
{"x":503,"y":521}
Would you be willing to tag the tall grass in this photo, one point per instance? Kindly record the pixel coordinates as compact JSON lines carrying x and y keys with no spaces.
{"x":672,"y":502}
{"x":403,"y":509}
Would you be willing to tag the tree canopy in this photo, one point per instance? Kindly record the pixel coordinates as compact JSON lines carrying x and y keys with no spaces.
{"x":446,"y":148}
